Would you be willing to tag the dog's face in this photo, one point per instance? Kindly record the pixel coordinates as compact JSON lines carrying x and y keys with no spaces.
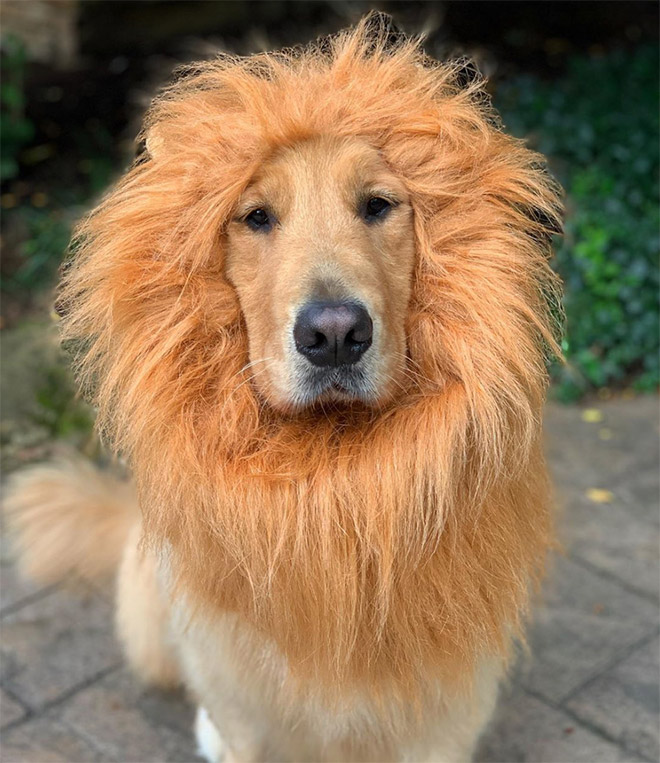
{"x":321,"y":253}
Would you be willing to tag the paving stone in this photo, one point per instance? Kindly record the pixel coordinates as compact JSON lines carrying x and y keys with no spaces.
{"x":54,"y":644}
{"x":627,"y":463}
{"x":610,"y":538}
{"x":621,"y":537}
{"x":14,"y":589}
{"x":625,"y":701}
{"x":526,"y":729}
{"x":44,"y":740}
{"x":10,"y":710}
{"x":584,"y":623}
{"x":126,"y":722}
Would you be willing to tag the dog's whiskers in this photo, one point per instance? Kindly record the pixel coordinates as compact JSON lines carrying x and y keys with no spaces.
{"x":250,"y":364}
{"x":249,"y":377}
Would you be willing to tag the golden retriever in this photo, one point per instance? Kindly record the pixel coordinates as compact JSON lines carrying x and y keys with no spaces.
{"x":314,"y":318}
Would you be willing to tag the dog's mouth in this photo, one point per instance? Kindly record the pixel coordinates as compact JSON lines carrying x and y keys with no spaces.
{"x":342,"y":384}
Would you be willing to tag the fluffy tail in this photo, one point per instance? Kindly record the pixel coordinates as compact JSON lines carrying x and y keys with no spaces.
{"x":69,"y":517}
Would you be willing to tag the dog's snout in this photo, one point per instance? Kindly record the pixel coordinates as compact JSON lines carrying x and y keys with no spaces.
{"x":333,"y":333}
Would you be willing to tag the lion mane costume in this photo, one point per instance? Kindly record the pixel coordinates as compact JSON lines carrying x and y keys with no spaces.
{"x":375,"y":550}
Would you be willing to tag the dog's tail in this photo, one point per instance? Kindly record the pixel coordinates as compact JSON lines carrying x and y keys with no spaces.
{"x":69,"y":517}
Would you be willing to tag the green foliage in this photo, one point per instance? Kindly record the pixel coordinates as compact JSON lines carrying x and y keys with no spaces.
{"x":599,"y":126}
{"x":37,"y":389}
{"x":57,"y":409}
{"x":47,"y":236}
{"x":45,"y":187}
{"x":15,"y":129}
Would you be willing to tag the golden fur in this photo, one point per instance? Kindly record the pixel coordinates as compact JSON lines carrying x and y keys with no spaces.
{"x":69,"y":518}
{"x":378,"y":547}
{"x":322,"y":249}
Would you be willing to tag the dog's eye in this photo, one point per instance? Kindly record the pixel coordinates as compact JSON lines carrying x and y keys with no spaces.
{"x":259,"y":220}
{"x":376,"y":208}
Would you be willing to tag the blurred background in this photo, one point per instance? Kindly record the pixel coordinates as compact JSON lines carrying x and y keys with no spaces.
{"x":579,"y":80}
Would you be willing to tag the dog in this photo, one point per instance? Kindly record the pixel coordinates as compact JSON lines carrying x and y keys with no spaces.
{"x":314,"y":318}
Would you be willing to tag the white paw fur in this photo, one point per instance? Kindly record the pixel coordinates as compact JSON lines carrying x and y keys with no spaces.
{"x":209,"y":742}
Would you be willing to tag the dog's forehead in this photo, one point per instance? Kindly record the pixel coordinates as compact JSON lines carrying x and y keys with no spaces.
{"x":327,"y":165}
{"x":333,"y":160}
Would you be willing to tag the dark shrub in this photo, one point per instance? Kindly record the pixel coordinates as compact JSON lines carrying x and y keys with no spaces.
{"x":599,"y":125}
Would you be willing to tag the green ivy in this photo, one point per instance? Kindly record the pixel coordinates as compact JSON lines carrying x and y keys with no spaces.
{"x":47,"y":237}
{"x":599,"y":125}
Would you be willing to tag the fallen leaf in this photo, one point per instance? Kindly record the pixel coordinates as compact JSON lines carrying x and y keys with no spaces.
{"x":592,"y":415}
{"x":598,"y":495}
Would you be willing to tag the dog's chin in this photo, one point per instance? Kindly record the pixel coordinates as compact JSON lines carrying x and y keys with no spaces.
{"x":346,"y":386}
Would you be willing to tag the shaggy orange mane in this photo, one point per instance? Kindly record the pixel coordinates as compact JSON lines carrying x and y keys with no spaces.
{"x":372,"y":546}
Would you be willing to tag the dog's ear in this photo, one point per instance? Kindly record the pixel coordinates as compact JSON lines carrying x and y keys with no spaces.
{"x":148,"y":144}
{"x":152,"y":141}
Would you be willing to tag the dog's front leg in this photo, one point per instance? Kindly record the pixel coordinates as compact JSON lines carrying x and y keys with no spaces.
{"x":232,"y":722}
{"x":460,"y":720}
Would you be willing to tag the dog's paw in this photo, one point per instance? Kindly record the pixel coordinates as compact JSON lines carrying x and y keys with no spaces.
{"x":209,"y":742}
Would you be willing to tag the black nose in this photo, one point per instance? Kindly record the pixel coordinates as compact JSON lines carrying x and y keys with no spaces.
{"x":333,"y":333}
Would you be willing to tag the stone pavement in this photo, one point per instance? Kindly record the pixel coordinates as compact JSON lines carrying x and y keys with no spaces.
{"x":589,"y":692}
